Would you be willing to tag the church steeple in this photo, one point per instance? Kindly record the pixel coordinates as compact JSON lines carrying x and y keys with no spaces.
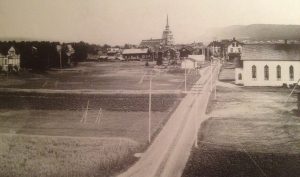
{"x":167,"y":34}
{"x":167,"y":26}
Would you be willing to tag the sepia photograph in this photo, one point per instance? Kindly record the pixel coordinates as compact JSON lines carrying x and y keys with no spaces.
{"x":149,"y":88}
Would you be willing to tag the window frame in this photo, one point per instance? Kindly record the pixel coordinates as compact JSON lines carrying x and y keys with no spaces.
{"x":291,"y":73}
{"x":240,"y":76}
{"x":254,"y":72}
{"x":278,"y":72}
{"x":266,"y":73}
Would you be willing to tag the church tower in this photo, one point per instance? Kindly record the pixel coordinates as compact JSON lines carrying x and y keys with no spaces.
{"x":167,"y":35}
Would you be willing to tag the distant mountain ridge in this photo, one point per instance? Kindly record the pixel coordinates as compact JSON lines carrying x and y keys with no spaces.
{"x":258,"y":32}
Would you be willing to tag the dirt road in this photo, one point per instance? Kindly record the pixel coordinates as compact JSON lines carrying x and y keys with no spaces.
{"x":168,"y":154}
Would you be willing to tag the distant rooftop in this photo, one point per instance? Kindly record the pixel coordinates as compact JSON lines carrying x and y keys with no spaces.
{"x":135,"y":51}
{"x":271,"y":52}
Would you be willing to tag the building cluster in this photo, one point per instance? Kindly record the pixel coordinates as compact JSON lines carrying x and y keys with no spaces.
{"x":10,"y":61}
{"x":256,"y":63}
{"x":163,"y":50}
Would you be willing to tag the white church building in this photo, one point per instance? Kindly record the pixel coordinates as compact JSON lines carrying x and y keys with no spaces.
{"x":268,"y":65}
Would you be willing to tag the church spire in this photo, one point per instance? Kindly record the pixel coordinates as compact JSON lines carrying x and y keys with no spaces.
{"x":167,"y":26}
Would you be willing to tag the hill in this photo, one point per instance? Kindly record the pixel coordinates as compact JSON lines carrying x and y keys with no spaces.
{"x":258,"y":32}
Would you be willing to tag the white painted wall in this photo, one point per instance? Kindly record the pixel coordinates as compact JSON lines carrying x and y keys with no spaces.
{"x":235,"y":49}
{"x":237,"y":72}
{"x":188,"y":64}
{"x":260,"y":80}
{"x":5,"y":61}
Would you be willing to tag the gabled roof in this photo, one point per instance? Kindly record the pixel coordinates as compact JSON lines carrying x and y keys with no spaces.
{"x":12,"y":49}
{"x":271,"y":52}
{"x":135,"y":51}
{"x":234,"y":40}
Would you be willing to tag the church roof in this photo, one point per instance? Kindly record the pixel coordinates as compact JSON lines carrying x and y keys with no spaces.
{"x":271,"y":52}
{"x":153,"y":44}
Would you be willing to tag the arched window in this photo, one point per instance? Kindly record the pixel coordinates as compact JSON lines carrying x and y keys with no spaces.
{"x":291,"y":70}
{"x":240,"y":76}
{"x":266,"y":71}
{"x":278,"y":70}
{"x":253,"y":72}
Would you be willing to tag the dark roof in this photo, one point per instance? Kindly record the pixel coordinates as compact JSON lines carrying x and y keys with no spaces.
{"x":153,"y":44}
{"x":215,"y":43}
{"x":271,"y":52}
{"x":189,"y":48}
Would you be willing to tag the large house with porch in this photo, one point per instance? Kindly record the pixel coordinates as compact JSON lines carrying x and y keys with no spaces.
{"x":268,"y":65}
{"x":233,"y":50}
{"x":11,"y":61}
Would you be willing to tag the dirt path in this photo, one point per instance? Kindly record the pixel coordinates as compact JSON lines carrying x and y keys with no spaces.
{"x":168,"y":154}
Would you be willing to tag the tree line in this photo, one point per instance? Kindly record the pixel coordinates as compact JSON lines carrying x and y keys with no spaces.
{"x":41,"y":55}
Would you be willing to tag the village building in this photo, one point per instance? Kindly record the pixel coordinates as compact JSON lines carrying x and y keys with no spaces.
{"x":185,"y":51}
{"x":193,"y":61}
{"x":233,"y":50}
{"x":11,"y":61}
{"x":188,"y":64}
{"x":113,"y":51}
{"x":215,"y":49}
{"x":136,"y":54}
{"x":268,"y":65}
{"x":190,"y":49}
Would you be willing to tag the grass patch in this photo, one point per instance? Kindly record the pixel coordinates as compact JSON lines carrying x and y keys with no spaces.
{"x":209,"y":161}
{"x":67,"y":101}
{"x":252,"y":132}
{"x":64,"y":156}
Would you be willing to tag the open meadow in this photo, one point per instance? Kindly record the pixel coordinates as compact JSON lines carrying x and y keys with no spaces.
{"x":250,"y":134}
{"x":98,"y":76}
{"x":50,"y":123}
{"x":22,"y":155}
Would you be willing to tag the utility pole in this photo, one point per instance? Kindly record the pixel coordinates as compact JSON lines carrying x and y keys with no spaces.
{"x":60,"y":63}
{"x":216,"y":75}
{"x":196,"y":120}
{"x":150,"y":99}
{"x":185,"y":75}
{"x":59,"y":48}
{"x":211,"y":77}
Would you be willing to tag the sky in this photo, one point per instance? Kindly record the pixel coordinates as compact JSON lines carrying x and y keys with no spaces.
{"x":117,"y":22}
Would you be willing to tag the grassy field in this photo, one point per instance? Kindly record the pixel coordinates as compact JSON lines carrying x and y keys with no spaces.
{"x":46,"y":135}
{"x":63,"y":156}
{"x":99,"y":76}
{"x":133,"y":125}
{"x":251,"y":132}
